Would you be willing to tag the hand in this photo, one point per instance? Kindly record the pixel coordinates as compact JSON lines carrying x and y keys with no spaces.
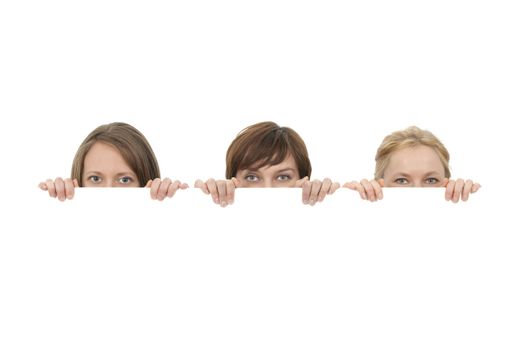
{"x":371,"y":190}
{"x":222,"y":191}
{"x":60,"y":189}
{"x":459,"y":188}
{"x":316,"y":191}
{"x":161,"y":189}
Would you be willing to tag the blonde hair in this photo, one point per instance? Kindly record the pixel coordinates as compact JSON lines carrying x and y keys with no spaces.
{"x":131,"y":144}
{"x":410,"y":137}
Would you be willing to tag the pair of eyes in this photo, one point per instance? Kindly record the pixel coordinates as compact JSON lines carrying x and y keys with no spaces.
{"x":124,"y":180}
{"x":428,"y":181}
{"x":254,"y":178}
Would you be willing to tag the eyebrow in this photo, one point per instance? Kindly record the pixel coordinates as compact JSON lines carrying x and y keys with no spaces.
{"x":91,"y":172}
{"x":431,"y":173}
{"x":400,"y":175}
{"x":285,"y":169}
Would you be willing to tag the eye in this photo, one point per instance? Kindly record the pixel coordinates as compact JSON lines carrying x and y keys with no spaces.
{"x":251,"y":178}
{"x":432,"y":181}
{"x":125,"y":180}
{"x":283,"y":177}
{"x":94,"y":179}
{"x":401,"y":181}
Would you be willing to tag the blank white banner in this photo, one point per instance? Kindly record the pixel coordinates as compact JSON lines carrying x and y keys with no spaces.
{"x":113,"y":269}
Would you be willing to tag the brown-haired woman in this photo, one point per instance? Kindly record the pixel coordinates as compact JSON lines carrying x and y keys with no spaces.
{"x":267,"y":155}
{"x":413,"y":158}
{"x":114,"y":155}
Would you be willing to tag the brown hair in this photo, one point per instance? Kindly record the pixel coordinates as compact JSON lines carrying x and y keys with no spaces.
{"x":266,"y":143}
{"x":410,"y":137}
{"x":131,"y":144}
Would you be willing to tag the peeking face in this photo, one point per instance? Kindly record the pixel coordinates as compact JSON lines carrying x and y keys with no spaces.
{"x":104,"y":166}
{"x":417,"y":166}
{"x":284,"y":174}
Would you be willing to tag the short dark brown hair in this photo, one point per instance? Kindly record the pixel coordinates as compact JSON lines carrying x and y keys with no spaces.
{"x":266,"y":143}
{"x":131,"y":144}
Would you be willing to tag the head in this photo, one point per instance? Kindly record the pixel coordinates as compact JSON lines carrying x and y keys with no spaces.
{"x":267,"y":155}
{"x":413,"y":158}
{"x":115,"y":155}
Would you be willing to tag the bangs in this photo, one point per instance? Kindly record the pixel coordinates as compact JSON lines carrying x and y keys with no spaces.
{"x":272,"y":149}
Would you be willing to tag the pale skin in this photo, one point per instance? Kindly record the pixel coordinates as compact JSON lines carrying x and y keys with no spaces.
{"x":284,"y":174}
{"x":104,"y":166}
{"x":417,"y":166}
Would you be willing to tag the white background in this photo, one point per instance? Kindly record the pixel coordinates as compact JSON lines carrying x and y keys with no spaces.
{"x":190,"y":75}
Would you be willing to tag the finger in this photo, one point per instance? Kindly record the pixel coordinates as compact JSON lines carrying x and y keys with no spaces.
{"x":306,"y":188}
{"x":76,"y":184}
{"x":449,"y":190}
{"x":475,"y":188}
{"x":325,"y":188}
{"x":43,"y":186}
{"x":60,"y":189}
{"x":155,"y":185}
{"x":213,"y":190}
{"x":334,"y":187}
{"x":467,"y":189}
{"x":69,"y":188}
{"x":314,"y":192}
{"x":148,"y":184}
{"x":222,"y":191}
{"x":459,"y":184}
{"x":163,"y":189}
{"x":368,"y":190}
{"x":183,"y":185}
{"x":377,"y":189}
{"x":356,"y":186}
{"x":231,"y":189}
{"x":174,"y":187}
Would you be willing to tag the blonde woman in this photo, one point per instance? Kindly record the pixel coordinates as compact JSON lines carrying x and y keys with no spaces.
{"x":267,"y":155}
{"x":413,"y":158}
{"x":113,"y":155}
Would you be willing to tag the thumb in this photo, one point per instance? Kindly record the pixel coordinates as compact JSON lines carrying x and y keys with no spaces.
{"x":236,"y":182}
{"x":43,"y":186}
{"x":299,"y":182}
{"x":198,"y":184}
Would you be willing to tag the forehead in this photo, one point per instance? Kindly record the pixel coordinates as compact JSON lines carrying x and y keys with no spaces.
{"x":415,"y":159}
{"x":102,"y":157}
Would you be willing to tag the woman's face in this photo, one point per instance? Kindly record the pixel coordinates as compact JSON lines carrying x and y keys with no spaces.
{"x":105,"y":167}
{"x":417,"y":166}
{"x":284,"y":174}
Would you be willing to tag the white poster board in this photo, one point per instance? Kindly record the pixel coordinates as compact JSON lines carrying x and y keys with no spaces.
{"x":113,"y":269}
